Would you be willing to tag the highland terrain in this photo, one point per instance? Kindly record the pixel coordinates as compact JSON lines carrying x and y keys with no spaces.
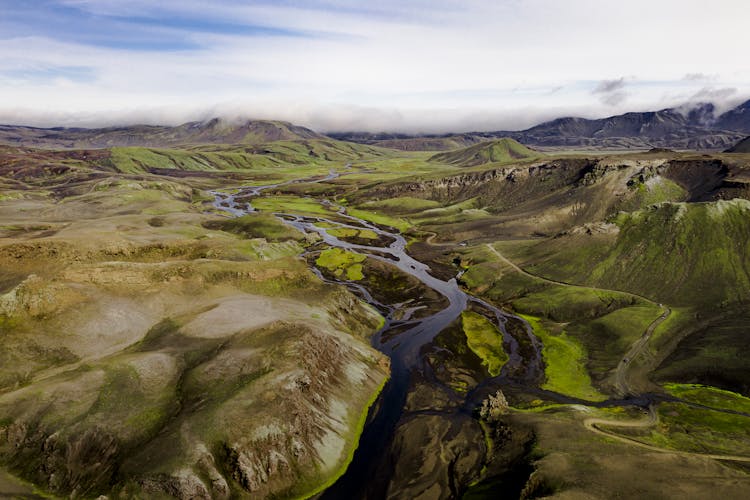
{"x":257,"y":310}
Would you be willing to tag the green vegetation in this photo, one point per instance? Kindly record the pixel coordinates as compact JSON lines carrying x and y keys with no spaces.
{"x":678,"y":321}
{"x":257,"y":225}
{"x":289,"y":204}
{"x":402,"y":204}
{"x":348,"y":232}
{"x":710,"y":396}
{"x":352,"y":444}
{"x":315,"y":154}
{"x":686,"y":428}
{"x":565,"y":361}
{"x":683,"y":254}
{"x":484,"y":339}
{"x":381,"y":219}
{"x":566,"y":303}
{"x":124,"y":233}
{"x":654,"y":190}
{"x":340,"y":262}
{"x":495,"y":151}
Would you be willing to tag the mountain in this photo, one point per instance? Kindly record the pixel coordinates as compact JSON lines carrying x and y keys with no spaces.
{"x":736,"y":119}
{"x":741,"y":147}
{"x":687,"y":127}
{"x":499,"y":150}
{"x":214,"y":131}
{"x":695,"y":128}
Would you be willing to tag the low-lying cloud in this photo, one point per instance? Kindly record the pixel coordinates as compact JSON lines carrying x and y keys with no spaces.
{"x":611,"y":92}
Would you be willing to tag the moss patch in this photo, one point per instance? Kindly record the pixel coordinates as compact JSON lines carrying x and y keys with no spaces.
{"x":484,"y":339}
{"x":565,"y":360}
{"x":256,"y":226}
{"x":342,"y":262}
{"x":710,"y":396}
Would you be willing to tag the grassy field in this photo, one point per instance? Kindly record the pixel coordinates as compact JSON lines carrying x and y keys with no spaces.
{"x":685,"y":428}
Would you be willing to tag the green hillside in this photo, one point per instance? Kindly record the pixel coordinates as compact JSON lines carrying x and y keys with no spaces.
{"x":500,"y":150}
{"x":272,"y":154}
{"x":694,"y":254}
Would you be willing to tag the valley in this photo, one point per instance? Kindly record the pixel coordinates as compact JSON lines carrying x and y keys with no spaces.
{"x":268,"y":312}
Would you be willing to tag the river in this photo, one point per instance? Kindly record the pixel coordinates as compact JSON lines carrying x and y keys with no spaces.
{"x":404,"y":347}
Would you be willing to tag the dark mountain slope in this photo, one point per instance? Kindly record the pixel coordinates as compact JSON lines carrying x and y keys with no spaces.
{"x":736,"y":119}
{"x":694,"y":127}
{"x":741,"y":147}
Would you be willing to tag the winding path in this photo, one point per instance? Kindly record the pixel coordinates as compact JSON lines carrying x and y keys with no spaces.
{"x":622,"y":385}
{"x":593,"y":424}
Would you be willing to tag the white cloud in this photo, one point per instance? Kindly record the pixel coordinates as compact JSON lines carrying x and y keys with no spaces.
{"x":401,"y":65}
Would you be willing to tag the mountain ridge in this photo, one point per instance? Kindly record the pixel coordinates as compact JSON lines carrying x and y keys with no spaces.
{"x":695,"y":128}
{"x":741,"y":147}
{"x":213,"y":131}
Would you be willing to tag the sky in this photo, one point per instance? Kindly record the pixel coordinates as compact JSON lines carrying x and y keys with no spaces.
{"x":333,"y":65}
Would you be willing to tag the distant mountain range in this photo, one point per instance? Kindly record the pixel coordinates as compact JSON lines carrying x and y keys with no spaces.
{"x":215,"y":131}
{"x":698,"y":127}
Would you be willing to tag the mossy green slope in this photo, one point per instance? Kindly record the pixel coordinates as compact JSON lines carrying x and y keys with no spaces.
{"x":232,"y":158}
{"x":500,"y":150}
{"x":678,"y":253}
{"x":485,"y":341}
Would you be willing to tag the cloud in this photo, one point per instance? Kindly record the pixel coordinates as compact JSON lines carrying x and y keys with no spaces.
{"x":609,"y":86}
{"x":611,"y":92}
{"x":614,"y":98}
{"x":391,"y":65}
{"x":698,"y":77}
{"x":711,"y":94}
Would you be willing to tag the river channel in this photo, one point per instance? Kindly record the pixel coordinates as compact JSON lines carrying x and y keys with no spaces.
{"x":412,"y":335}
{"x":404,"y":338}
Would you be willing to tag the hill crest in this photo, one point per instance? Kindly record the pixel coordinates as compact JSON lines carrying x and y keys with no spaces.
{"x":494,"y":151}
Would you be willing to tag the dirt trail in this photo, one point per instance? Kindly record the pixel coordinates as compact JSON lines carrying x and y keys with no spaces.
{"x":430,"y":241}
{"x":621,"y":373}
{"x":562,"y":283}
{"x":652,"y":419}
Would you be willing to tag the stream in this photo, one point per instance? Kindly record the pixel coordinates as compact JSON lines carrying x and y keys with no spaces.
{"x":403,"y":347}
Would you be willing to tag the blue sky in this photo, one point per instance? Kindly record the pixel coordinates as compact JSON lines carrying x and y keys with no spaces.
{"x":341,"y":64}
